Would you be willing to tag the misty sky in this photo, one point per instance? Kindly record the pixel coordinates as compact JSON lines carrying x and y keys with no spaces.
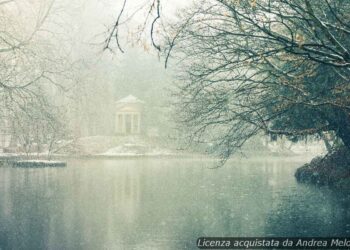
{"x":87,"y":24}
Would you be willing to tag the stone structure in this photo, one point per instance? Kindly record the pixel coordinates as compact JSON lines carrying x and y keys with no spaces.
{"x":128,"y":118}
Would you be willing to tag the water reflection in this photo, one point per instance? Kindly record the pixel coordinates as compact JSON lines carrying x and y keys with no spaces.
{"x":161,"y":204}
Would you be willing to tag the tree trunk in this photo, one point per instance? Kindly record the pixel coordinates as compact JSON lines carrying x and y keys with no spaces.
{"x":344,"y":134}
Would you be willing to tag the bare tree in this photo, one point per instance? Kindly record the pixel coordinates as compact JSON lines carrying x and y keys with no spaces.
{"x":36,"y":125}
{"x":31,"y":67}
{"x":282,"y":67}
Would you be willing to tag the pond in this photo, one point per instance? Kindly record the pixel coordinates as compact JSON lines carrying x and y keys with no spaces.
{"x":153,"y":203}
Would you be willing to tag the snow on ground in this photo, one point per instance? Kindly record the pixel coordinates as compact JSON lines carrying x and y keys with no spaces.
{"x":136,"y":150}
{"x":120,"y":146}
{"x":106,"y":146}
{"x":94,"y":144}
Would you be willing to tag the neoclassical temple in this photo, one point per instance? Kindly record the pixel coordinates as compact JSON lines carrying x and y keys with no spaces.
{"x":128,"y":119}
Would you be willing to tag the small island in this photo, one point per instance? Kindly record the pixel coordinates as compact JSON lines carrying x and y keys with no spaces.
{"x":38,"y":164}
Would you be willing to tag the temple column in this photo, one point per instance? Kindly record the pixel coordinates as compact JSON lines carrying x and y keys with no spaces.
{"x":138,"y":123}
{"x":132,"y":123}
{"x":123,"y":123}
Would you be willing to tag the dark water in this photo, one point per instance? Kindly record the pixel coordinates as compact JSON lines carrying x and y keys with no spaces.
{"x":161,"y":204}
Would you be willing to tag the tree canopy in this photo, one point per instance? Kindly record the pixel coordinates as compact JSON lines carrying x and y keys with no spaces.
{"x":282,"y":67}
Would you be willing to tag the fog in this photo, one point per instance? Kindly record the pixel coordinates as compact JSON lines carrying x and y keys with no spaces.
{"x":82,"y":81}
{"x":146,"y":124}
{"x":66,"y":65}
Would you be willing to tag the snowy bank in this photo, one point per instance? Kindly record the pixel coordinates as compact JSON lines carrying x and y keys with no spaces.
{"x":110,"y":146}
{"x":136,"y":150}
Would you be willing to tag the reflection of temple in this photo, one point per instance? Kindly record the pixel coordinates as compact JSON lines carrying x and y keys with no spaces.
{"x":128,"y":118}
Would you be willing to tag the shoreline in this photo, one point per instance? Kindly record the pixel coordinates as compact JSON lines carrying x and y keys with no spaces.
{"x":238,"y":157}
{"x":332,"y":170}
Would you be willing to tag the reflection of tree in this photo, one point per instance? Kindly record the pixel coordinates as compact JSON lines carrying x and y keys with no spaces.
{"x":129,"y":204}
{"x":222,"y":202}
{"x":155,"y":203}
{"x":307,"y":213}
{"x":28,"y":210}
{"x":102,"y":204}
